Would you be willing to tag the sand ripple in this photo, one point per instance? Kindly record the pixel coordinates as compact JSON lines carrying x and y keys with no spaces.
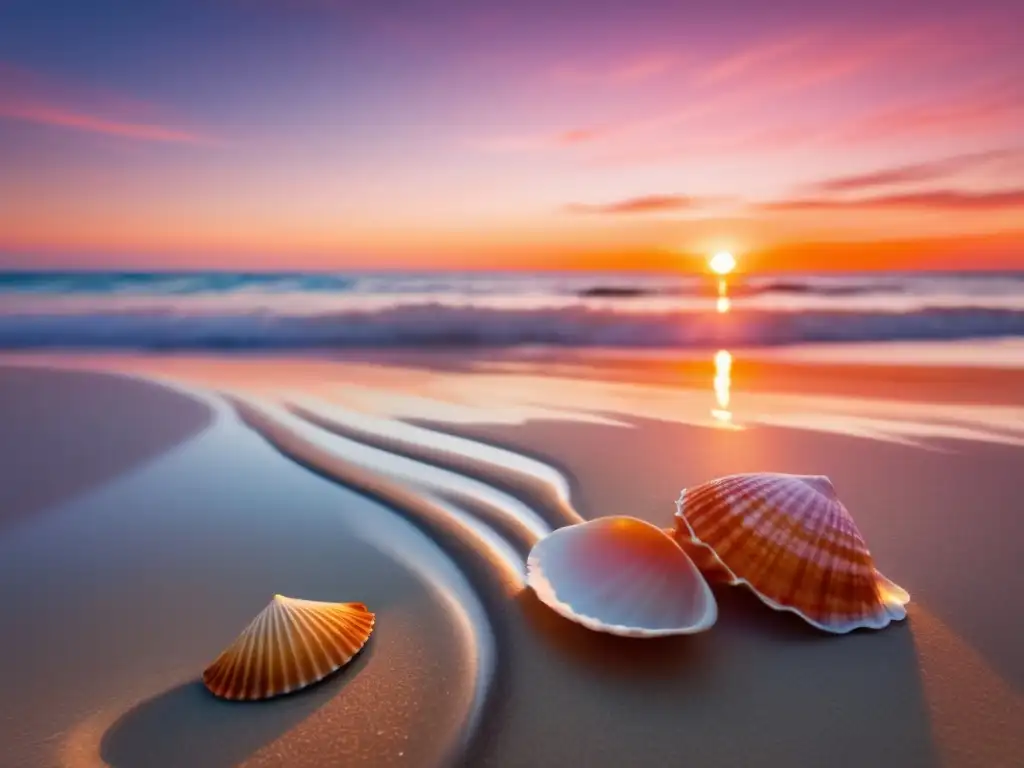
{"x":486,"y":530}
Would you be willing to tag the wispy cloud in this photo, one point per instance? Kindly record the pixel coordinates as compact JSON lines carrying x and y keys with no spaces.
{"x":916,"y":173}
{"x":624,"y":72}
{"x":939,"y":199}
{"x":992,"y":106}
{"x":819,"y":56}
{"x":734,"y":101}
{"x":27,"y":98}
{"x":46,"y":114}
{"x":644,"y":204}
{"x":740,"y":63}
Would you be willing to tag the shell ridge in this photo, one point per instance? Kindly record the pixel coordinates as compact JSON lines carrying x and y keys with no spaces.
{"x":273,"y":674}
{"x":319,"y":658}
{"x":855,"y":601}
{"x":705,"y":497}
{"x":353,"y":629}
{"x":242,"y":673}
{"x":802,"y":553}
{"x":244,"y":679}
{"x":319,"y":638}
{"x":291,"y":653}
{"x":325,"y":632}
{"x":281,"y":647}
{"x":765,"y":566}
{"x":303,"y":653}
{"x":277,"y":654}
{"x":822,"y":549}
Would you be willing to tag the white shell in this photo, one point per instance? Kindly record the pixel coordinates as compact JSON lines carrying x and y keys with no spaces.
{"x":622,"y":576}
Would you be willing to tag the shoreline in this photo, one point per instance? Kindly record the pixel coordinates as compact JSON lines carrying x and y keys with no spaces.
{"x":791,"y":370}
{"x":198,"y":536}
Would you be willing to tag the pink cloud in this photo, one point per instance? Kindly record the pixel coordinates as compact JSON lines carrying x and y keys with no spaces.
{"x":762,"y":76}
{"x":916,"y":172}
{"x":44,"y":114}
{"x":630,"y":71}
{"x":744,"y":62}
{"x":644,"y":204}
{"x":996,"y":106}
{"x":579,"y":136}
{"x":939,"y":199}
{"x":27,"y":98}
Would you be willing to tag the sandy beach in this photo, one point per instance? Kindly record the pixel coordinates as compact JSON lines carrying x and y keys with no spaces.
{"x":162,"y":502}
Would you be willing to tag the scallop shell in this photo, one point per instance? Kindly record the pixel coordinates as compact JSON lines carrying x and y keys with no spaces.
{"x":790,"y":539}
{"x":622,"y":576}
{"x":291,"y":644}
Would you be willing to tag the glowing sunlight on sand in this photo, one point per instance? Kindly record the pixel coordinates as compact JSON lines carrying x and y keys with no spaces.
{"x":723,"y":385}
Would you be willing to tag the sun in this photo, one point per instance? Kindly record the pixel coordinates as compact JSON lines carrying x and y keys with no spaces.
{"x":722,"y":263}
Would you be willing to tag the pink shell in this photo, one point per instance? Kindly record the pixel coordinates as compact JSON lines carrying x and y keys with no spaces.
{"x":622,"y":576}
{"x":791,"y":540}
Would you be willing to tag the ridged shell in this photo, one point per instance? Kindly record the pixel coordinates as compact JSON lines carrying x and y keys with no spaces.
{"x":622,"y":576}
{"x":790,"y":539}
{"x":291,"y":644}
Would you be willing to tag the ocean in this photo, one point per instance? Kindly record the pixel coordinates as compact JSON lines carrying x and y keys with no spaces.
{"x":319,"y":311}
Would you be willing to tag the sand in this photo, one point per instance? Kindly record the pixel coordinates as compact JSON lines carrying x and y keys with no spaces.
{"x":117,"y":598}
{"x":62,"y":435}
{"x":158,"y":567}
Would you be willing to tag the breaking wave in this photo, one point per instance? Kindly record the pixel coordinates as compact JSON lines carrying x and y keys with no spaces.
{"x":446,"y":325}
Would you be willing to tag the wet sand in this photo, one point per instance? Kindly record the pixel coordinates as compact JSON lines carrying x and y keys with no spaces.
{"x":236,"y":514}
{"x":946,"y":687}
{"x":62,"y":435}
{"x":117,"y":596}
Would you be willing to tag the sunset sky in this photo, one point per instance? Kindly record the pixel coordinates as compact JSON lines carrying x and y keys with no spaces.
{"x":292,"y":134}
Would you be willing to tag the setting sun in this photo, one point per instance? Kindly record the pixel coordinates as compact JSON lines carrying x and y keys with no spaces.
{"x":722,"y":263}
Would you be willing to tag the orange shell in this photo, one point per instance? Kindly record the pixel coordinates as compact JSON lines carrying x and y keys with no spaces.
{"x":790,"y":539}
{"x":291,"y":644}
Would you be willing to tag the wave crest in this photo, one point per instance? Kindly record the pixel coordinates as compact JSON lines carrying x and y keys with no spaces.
{"x":439,"y":325}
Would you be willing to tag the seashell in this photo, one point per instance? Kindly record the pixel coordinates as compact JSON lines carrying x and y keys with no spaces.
{"x":790,"y":540}
{"x":291,"y":644}
{"x":622,"y":576}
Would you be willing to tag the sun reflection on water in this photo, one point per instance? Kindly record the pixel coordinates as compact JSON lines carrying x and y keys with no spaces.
{"x":724,"y":304}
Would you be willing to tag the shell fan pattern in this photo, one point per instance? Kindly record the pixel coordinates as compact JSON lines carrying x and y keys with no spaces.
{"x":290,"y":645}
{"x":621,"y":576}
{"x":790,"y":540}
